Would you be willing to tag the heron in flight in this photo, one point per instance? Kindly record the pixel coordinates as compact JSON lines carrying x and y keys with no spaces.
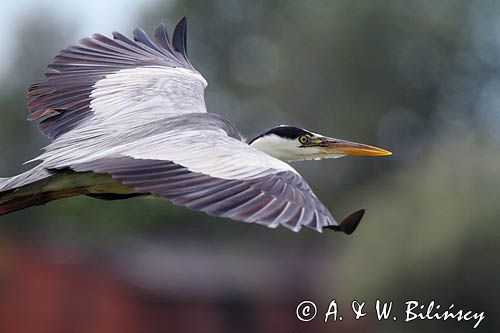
{"x":128,"y":118}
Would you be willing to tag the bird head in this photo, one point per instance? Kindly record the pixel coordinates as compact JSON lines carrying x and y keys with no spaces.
{"x":290,"y":143}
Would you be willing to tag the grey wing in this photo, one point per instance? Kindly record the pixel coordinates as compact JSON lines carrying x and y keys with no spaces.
{"x":216,"y":174}
{"x":117,"y":80}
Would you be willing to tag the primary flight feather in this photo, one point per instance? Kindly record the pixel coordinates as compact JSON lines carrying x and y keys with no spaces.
{"x":128,"y":118}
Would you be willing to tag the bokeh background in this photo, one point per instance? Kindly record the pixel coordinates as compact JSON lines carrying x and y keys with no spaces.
{"x":419,"y":78}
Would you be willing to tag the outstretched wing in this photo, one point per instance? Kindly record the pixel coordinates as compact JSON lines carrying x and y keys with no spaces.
{"x":118,"y":80}
{"x":208,"y":171}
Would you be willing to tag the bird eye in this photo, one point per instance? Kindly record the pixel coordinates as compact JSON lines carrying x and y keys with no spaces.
{"x":303,"y":139}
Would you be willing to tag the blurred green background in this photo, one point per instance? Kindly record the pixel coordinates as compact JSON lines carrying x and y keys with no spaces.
{"x":419,"y":78}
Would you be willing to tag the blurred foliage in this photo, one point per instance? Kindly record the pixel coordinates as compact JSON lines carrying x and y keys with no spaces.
{"x":419,"y":78}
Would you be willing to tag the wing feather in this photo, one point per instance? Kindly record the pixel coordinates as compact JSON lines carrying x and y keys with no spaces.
{"x":273,"y":199}
{"x":161,"y":37}
{"x":101,"y":74}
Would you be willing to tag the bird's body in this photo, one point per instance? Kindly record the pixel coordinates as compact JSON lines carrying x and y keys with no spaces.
{"x":128,"y":117}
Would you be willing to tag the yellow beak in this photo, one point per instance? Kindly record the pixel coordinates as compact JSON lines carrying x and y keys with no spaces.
{"x":337,"y":146}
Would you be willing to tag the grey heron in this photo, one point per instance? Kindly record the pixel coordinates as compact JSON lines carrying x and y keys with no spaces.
{"x":127,"y":117}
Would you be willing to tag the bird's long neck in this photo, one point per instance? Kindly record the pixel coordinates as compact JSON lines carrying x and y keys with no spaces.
{"x":278,"y":147}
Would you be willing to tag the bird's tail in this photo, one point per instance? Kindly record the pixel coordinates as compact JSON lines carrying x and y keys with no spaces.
{"x":31,"y":188}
